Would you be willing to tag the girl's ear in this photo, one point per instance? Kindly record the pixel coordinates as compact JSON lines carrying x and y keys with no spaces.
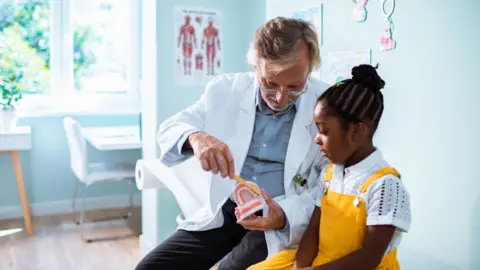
{"x":357,"y":132}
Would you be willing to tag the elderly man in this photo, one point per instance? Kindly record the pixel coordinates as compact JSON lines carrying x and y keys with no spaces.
{"x":258,"y":125}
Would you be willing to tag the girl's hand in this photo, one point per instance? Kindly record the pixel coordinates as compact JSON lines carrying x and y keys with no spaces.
{"x":275,"y":219}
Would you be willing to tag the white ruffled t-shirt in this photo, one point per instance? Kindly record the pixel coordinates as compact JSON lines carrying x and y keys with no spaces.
{"x":387,"y":200}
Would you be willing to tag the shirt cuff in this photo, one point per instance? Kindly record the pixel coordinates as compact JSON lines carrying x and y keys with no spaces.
{"x":286,"y":229}
{"x":179,"y":151}
{"x":318,"y":201}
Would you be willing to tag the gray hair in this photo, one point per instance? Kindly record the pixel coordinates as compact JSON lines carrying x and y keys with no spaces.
{"x":278,"y":41}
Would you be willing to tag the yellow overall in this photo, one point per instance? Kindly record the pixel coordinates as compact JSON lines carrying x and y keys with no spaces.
{"x":342,"y":228}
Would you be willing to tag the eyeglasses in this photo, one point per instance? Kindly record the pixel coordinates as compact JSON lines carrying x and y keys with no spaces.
{"x":288,"y":93}
{"x":276,"y":89}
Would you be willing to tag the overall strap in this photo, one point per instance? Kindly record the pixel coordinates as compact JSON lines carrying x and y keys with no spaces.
{"x":377,"y":175}
{"x":328,"y":173}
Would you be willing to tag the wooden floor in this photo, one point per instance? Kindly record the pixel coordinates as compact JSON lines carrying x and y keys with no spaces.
{"x":57,"y":244}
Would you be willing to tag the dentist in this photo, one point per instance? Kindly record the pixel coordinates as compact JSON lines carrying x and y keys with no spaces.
{"x":257,"y":125}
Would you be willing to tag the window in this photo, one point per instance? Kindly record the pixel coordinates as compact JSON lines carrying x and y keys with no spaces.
{"x":24,"y":44}
{"x":70,"y":51}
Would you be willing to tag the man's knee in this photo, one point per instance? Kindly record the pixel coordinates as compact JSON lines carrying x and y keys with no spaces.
{"x":161,"y":257}
{"x":141,"y":266}
{"x":158,"y":260}
{"x":185,"y":250}
{"x":149,"y":262}
{"x":145,"y":265}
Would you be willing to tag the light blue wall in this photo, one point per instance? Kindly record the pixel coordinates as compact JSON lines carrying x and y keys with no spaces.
{"x":429,"y":130}
{"x":46,"y":168}
{"x":240,"y":20}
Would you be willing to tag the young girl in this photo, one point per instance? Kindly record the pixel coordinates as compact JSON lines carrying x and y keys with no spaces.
{"x":359,"y":220}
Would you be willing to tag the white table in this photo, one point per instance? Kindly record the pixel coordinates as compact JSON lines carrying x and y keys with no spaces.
{"x":113,"y":138}
{"x":12,"y":142}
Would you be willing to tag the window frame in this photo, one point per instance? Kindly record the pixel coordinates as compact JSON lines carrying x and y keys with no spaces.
{"x":63,"y":99}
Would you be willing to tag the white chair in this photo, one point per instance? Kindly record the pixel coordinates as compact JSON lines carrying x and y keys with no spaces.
{"x":91,"y":173}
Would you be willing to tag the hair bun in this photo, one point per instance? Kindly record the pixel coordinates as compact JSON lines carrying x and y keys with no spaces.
{"x":368,"y":76}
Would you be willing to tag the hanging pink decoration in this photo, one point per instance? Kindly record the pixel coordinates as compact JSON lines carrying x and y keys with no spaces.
{"x":386,"y":40}
{"x":359,"y":13}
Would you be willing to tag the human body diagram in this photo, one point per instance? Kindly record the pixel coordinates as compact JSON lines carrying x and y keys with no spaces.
{"x":187,"y":40}
{"x":211,"y":43}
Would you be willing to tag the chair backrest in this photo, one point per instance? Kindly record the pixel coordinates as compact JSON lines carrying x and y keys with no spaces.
{"x":77,"y":147}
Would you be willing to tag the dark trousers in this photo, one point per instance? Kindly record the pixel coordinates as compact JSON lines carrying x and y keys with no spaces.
{"x":203,"y":249}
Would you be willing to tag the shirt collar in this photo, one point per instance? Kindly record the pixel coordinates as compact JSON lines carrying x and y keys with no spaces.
{"x":365,"y":165}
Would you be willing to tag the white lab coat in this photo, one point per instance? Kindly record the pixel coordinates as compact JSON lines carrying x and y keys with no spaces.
{"x":227,"y":111}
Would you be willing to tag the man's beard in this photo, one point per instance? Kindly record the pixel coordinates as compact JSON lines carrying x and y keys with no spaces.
{"x":274,"y":106}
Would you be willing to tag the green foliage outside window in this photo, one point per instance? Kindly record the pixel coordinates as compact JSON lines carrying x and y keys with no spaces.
{"x":25,"y":49}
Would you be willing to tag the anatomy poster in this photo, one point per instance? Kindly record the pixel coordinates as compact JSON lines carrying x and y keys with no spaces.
{"x":340,"y":64}
{"x":198,"y":45}
{"x":314,"y":15}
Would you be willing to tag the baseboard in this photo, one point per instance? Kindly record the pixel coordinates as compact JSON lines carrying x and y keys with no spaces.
{"x":65,"y":207}
{"x":145,"y":246}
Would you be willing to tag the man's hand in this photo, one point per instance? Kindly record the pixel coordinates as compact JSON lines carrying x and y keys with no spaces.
{"x":213,"y":154}
{"x":275,"y":219}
